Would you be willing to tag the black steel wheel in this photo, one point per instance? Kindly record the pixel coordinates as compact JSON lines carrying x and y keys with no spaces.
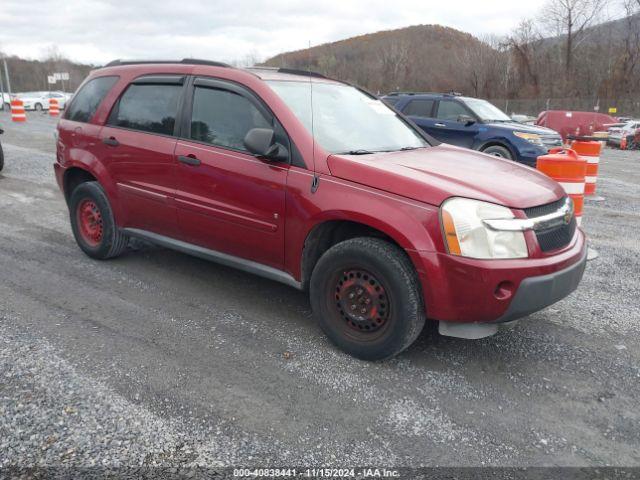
{"x":366,"y":297}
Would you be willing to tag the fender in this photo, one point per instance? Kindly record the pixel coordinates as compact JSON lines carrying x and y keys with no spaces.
{"x":85,"y":160}
{"x":411,"y":224}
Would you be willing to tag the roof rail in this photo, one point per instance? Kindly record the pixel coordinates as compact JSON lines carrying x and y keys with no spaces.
{"x":396,"y":94}
{"x":186,"y":61}
{"x":306,"y":73}
{"x":450,"y":94}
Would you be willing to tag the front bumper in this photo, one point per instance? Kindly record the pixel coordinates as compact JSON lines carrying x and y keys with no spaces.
{"x":458,"y":289}
{"x":536,"y":293}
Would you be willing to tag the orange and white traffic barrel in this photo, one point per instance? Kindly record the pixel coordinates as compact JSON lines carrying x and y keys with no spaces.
{"x":590,"y":151}
{"x":17,"y":111}
{"x":569,"y":169}
{"x":54,"y":108}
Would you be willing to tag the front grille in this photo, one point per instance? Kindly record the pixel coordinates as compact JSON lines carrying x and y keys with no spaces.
{"x":544,"y":209}
{"x":551,"y":141}
{"x":555,"y":237}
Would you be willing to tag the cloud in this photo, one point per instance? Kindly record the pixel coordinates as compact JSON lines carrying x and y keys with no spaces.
{"x":100,"y":30}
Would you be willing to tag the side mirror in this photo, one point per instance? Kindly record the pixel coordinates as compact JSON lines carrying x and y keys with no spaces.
{"x":261,"y":142}
{"x":466,"y":119}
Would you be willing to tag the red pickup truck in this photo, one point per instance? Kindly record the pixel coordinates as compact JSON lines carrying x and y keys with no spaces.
{"x":317,"y":184}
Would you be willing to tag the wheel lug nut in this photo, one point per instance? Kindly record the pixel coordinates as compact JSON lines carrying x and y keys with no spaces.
{"x":360,"y":291}
{"x":353,"y":307}
{"x":352,"y":295}
{"x":363,"y":310}
{"x":367,"y":301}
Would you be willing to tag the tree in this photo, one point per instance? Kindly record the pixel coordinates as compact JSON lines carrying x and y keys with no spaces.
{"x":572,"y":18}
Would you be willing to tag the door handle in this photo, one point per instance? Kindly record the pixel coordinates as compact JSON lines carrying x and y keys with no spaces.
{"x":440,"y":125}
{"x":189,"y":160}
{"x":111,"y":141}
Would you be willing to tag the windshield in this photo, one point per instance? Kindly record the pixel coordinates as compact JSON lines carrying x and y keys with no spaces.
{"x":345,"y":120}
{"x":486,"y":111}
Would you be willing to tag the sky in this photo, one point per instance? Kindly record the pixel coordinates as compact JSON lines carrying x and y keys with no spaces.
{"x":98,"y":31}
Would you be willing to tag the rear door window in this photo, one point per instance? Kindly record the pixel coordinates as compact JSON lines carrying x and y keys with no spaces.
{"x":86,"y":101}
{"x":147,"y":107}
{"x":222,"y":117}
{"x":419,"y":108}
{"x":450,"y":110}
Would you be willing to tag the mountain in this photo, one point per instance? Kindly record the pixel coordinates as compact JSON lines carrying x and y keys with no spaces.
{"x":420,"y":57}
{"x":605,"y":64}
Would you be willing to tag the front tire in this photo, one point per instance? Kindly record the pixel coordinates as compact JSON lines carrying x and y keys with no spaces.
{"x":1,"y":158}
{"x":366,"y":296}
{"x":498,"y":151}
{"x":92,"y":222}
{"x":37,"y":107}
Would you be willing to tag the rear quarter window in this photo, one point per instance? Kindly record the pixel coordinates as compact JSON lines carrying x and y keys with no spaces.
{"x":89,"y":97}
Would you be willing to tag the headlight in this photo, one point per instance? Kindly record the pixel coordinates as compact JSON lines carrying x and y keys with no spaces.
{"x":467,"y":235}
{"x":530,"y":137}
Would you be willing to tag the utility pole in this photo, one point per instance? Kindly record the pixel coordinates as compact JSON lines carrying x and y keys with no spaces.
{"x":1,"y":93}
{"x":6,"y":74}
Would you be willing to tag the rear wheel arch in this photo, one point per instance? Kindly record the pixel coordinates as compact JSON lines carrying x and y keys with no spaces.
{"x":73,"y":177}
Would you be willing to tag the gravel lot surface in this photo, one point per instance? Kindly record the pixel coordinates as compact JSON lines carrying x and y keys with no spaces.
{"x":158,"y":358}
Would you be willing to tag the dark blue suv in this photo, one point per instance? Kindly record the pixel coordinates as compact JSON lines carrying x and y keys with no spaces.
{"x":474,"y":123}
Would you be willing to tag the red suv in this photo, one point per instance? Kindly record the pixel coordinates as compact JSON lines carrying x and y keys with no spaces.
{"x":317,"y":184}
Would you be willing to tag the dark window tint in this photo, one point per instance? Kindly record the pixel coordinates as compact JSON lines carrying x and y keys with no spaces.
{"x":391,"y":101}
{"x":450,"y":110}
{"x":223,"y":118}
{"x":419,"y":108}
{"x":86,"y":101}
{"x":147,"y":107}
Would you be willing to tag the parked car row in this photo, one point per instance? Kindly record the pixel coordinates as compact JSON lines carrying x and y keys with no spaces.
{"x":40,"y":100}
{"x":626,"y":130}
{"x":37,"y":101}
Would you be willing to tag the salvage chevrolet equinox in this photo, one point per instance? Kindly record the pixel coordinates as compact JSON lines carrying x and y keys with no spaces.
{"x":317,"y":184}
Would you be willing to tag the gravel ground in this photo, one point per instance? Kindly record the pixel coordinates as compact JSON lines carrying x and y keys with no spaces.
{"x":158,"y":358}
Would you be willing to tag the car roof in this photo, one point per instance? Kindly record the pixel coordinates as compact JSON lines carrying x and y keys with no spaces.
{"x":426,"y":95}
{"x":264,"y":73}
{"x":291,"y":75}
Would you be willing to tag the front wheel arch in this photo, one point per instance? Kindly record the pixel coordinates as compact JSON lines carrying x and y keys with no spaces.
{"x":328,"y":233}
{"x":504,"y":145}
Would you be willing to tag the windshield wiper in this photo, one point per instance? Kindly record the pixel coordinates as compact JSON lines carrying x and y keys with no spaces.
{"x":356,"y":152}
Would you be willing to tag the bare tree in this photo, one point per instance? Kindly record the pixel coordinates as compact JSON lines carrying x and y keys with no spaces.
{"x":572,"y":18}
{"x":523,"y":42}
{"x":630,"y":62}
{"x":394,"y":61}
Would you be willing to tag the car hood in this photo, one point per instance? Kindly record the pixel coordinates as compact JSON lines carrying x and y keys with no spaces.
{"x":521,"y":127}
{"x":432,"y":175}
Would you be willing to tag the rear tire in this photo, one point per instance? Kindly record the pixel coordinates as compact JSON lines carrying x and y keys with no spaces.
{"x":37,"y":107}
{"x":498,"y":151}
{"x":92,"y":222}
{"x":1,"y":158}
{"x":366,"y":296}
